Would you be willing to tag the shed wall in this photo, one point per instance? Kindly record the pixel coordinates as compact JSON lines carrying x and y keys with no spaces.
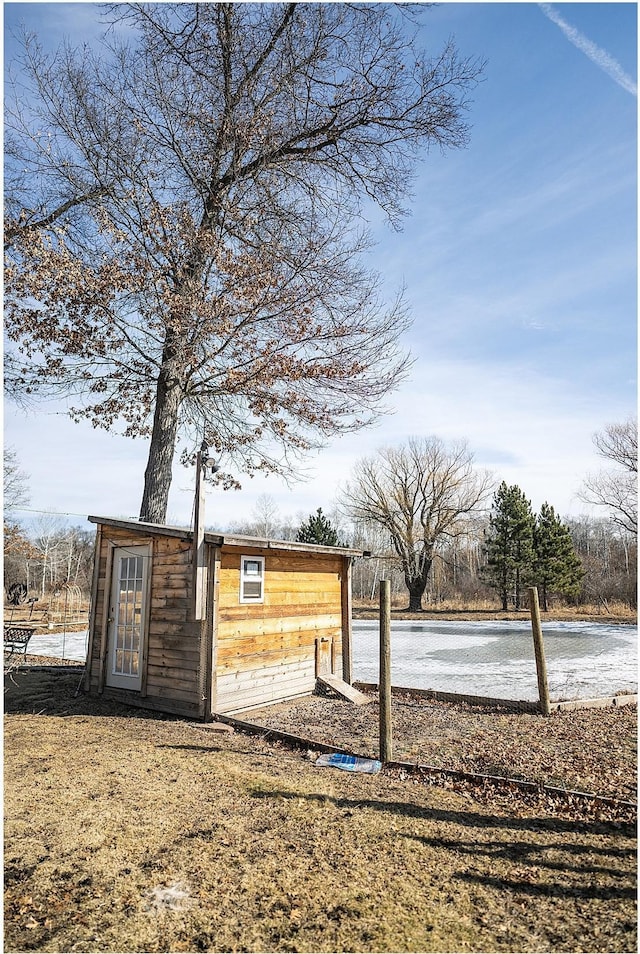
{"x":174,"y":676}
{"x":242,"y":655}
{"x":267,"y":652}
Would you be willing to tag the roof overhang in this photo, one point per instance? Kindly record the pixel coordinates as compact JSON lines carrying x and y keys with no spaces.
{"x":221,"y":539}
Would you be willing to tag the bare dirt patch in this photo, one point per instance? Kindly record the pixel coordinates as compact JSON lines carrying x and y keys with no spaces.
{"x":31,"y":659}
{"x":585,"y":750}
{"x":128,"y":831}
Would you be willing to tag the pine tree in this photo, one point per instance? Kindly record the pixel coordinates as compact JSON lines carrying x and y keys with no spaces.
{"x":317,"y":529}
{"x":557,"y":568}
{"x":509,"y":544}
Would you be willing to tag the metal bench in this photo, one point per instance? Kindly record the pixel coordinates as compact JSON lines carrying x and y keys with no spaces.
{"x":16,"y":640}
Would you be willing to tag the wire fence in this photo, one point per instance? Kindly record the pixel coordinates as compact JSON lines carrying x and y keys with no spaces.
{"x":497,"y":659}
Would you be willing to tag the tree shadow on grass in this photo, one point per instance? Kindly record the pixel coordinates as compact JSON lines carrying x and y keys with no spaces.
{"x":584,"y":891}
{"x":530,"y":852}
{"x":536,"y":873}
{"x":471,"y":819}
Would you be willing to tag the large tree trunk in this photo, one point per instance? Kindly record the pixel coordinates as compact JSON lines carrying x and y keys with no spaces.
{"x":416,"y":583}
{"x":416,"y":573}
{"x":416,"y":590}
{"x":157,"y":477}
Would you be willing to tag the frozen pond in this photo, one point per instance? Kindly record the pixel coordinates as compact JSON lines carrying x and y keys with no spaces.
{"x":584,"y":660}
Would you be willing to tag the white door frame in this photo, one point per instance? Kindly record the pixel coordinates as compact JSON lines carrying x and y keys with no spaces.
{"x":127,"y":619}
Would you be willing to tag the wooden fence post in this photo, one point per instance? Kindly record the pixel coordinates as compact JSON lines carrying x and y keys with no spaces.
{"x":198,"y":558}
{"x":538,"y":644}
{"x":346,"y":612}
{"x":384,"y":687}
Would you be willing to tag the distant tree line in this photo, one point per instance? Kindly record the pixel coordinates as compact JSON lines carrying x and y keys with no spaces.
{"x":608,"y":561}
{"x":52,"y":554}
{"x":47,"y":557}
{"x":422,"y":510}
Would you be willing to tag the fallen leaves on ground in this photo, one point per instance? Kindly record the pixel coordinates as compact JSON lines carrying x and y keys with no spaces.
{"x":584,"y":750}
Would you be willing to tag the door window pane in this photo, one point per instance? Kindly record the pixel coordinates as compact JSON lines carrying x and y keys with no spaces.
{"x":129,"y":616}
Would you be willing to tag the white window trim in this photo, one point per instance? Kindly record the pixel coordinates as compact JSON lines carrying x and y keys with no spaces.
{"x":252,"y":579}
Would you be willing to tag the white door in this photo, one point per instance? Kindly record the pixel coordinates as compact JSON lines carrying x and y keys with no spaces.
{"x":127,"y":613}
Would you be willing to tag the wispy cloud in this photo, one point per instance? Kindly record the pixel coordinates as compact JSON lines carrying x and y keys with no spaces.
{"x":595,"y":53}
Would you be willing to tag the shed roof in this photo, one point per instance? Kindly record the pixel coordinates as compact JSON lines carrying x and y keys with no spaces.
{"x":218,"y":539}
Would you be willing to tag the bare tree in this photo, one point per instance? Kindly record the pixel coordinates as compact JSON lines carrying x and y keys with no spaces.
{"x":15,"y":489}
{"x":381,"y":564}
{"x":18,"y":551}
{"x":617,"y":488}
{"x":48,"y":537}
{"x":15,"y":495}
{"x":264,"y":520}
{"x":421,"y":493}
{"x":185,"y":223}
{"x":619,"y":444}
{"x":610,"y":558}
{"x":53,"y":555}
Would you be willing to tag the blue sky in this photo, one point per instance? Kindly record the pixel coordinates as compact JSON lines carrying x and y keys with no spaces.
{"x":519,"y":261}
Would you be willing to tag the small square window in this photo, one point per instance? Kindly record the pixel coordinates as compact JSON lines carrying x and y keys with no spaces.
{"x":251,"y":579}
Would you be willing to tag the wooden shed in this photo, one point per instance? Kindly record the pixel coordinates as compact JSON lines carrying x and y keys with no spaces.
{"x":225,"y":625}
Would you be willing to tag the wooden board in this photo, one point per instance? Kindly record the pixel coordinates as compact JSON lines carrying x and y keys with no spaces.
{"x":267,"y":652}
{"x":265,"y":611}
{"x":344,"y":689}
{"x":298,"y":562}
{"x":305,"y":583}
{"x":287,"y":627}
{"x":272,"y":684}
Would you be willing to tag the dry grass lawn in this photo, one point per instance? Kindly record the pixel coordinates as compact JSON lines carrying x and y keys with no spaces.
{"x":126,"y":831}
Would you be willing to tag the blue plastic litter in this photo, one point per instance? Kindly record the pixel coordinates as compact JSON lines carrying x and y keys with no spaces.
{"x":349,"y":763}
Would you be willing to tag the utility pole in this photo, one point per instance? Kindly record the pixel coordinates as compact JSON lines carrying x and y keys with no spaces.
{"x":199,"y":564}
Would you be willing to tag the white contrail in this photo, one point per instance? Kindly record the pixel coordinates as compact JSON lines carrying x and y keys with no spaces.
{"x":599,"y":56}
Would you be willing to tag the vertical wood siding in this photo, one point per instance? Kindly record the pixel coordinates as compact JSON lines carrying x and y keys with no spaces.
{"x":172,"y":662}
{"x":242,"y":655}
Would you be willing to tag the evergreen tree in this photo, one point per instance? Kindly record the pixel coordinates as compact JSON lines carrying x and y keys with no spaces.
{"x":557,"y":568}
{"x":509,"y":544}
{"x":317,"y":529}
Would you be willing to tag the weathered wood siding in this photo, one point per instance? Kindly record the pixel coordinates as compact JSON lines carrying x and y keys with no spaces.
{"x":174,"y":671}
{"x":267,"y":652}
{"x":242,"y":655}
